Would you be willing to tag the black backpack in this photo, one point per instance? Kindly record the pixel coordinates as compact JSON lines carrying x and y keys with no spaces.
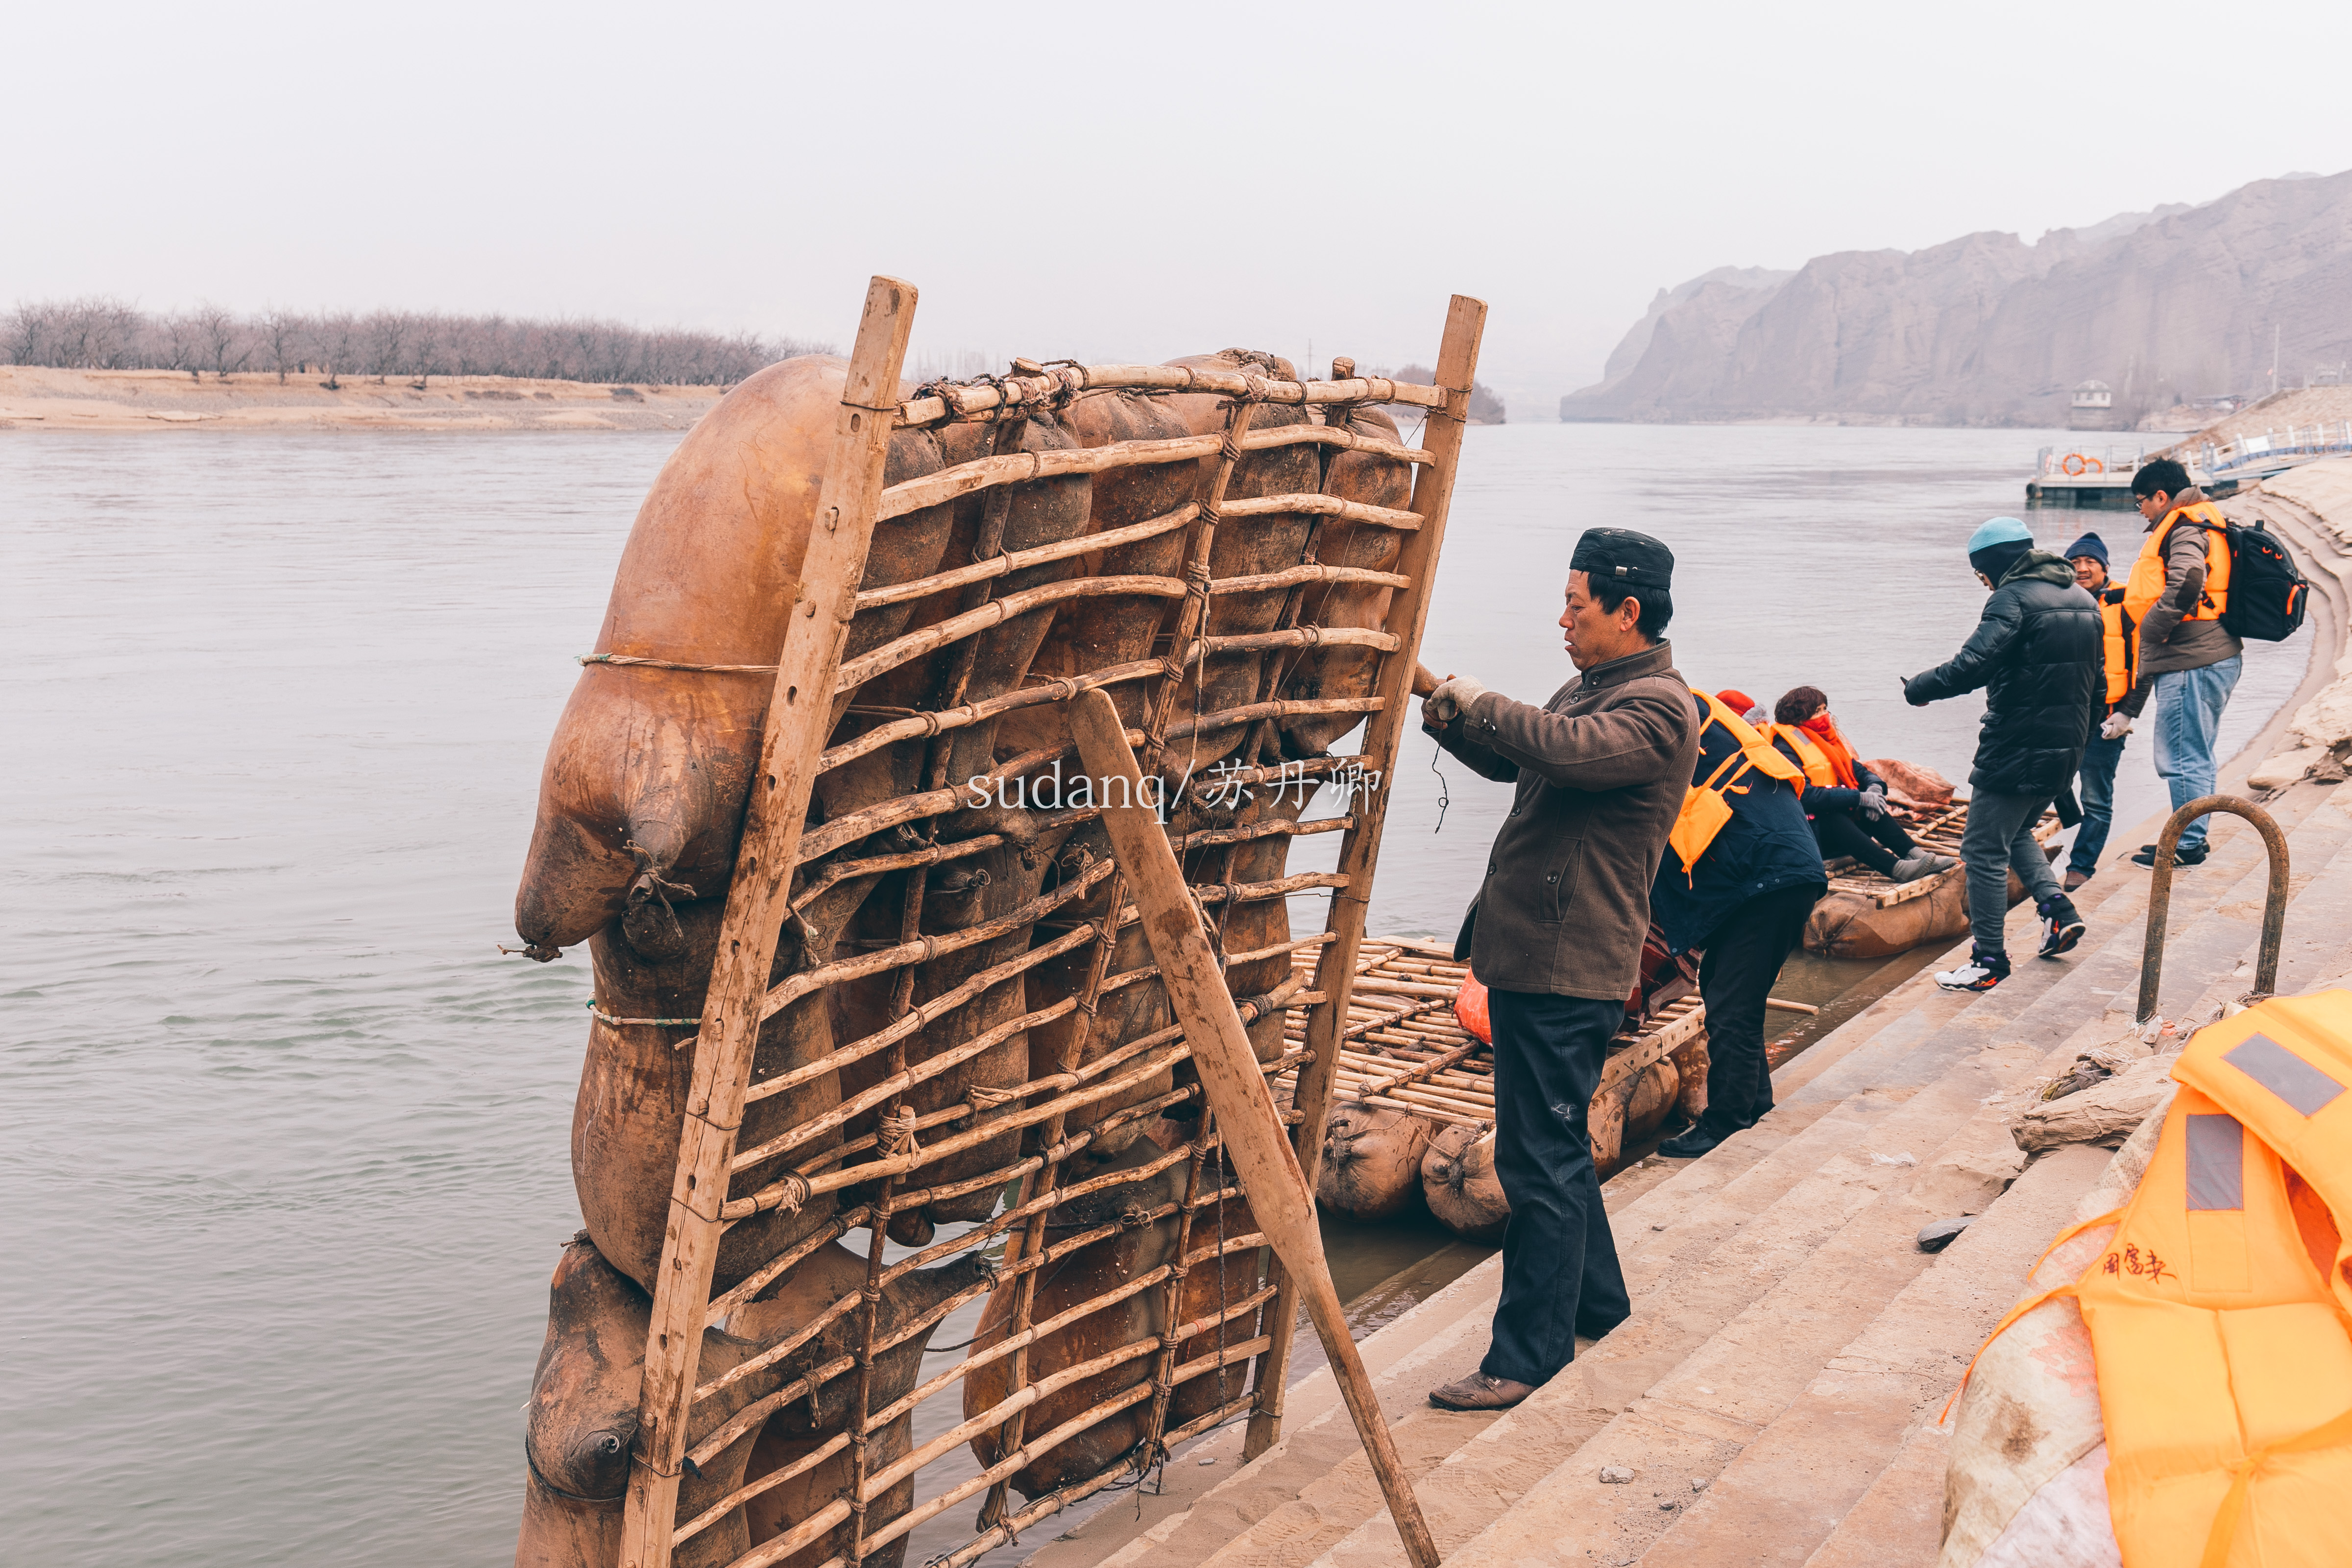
{"x":2268,"y":597}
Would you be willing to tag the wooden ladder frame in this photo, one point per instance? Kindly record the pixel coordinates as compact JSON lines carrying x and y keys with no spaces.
{"x":758,"y":896}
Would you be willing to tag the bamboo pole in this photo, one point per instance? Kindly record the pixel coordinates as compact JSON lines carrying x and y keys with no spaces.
{"x":1064,"y":381}
{"x":1433,"y":492}
{"x":1280,"y":1198}
{"x":986,"y":473}
{"x":757,"y":900}
{"x":915,"y":645}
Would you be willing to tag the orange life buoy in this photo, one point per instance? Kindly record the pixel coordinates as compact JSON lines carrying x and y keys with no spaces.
{"x":2073,"y":465}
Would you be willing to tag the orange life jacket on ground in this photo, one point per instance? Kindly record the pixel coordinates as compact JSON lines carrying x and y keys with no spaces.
{"x":2146,"y":582}
{"x":2221,"y":1314}
{"x":1705,"y":810}
{"x":2123,"y":648}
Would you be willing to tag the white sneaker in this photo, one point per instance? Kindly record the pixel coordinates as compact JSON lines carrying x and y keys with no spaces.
{"x":1973,"y":976}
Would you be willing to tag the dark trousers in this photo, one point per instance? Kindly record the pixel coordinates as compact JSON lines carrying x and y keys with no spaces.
{"x":1876,"y":845}
{"x":1559,"y":1263}
{"x":1743,"y":960}
{"x":2097,"y":798}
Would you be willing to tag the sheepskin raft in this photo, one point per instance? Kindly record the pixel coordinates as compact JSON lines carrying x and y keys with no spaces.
{"x":876,"y":1037}
{"x":1411,"y":1082}
{"x":1866,"y":915}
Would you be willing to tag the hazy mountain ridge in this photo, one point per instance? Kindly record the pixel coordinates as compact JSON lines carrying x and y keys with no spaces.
{"x":1986,"y":330}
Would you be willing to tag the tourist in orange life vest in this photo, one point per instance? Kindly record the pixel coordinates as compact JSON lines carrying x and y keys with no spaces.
{"x":1741,"y":875}
{"x":1845,"y":801}
{"x":2096,"y":787}
{"x":2189,"y":661}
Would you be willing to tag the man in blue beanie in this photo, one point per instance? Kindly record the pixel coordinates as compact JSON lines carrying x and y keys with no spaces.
{"x":2036,"y":654}
{"x":2119,"y":642}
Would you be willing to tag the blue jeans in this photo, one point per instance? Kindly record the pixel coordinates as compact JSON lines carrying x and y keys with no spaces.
{"x":1560,"y":1276}
{"x":2097,"y":796}
{"x":2189,"y":705}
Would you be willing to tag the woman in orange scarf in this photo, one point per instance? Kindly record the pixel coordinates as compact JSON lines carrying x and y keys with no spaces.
{"x":1849,"y":814}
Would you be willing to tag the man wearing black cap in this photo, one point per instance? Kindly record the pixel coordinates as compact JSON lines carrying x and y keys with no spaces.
{"x":1556,"y":933}
{"x":2105,"y":751}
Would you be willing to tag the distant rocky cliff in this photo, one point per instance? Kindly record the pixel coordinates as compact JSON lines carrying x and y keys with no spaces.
{"x":2164,"y":307}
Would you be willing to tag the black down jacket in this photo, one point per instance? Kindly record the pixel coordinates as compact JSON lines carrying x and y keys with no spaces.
{"x":2039,"y":656}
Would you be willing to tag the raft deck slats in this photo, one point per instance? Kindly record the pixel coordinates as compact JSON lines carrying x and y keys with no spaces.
{"x":1940,"y":833}
{"x":1459,"y":1088}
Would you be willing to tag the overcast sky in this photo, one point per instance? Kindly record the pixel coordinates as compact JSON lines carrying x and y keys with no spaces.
{"x":1108,"y":182}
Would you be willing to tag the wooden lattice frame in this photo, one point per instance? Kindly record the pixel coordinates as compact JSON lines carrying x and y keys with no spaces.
{"x":810,"y":673}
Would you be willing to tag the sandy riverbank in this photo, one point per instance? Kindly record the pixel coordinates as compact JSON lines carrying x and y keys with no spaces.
{"x":37,"y":399}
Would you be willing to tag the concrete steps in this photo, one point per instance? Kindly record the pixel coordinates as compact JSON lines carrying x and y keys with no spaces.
{"x":1845,"y":1466}
{"x":1789,"y":1344}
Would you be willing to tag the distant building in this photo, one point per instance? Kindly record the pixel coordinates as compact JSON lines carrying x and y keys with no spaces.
{"x":2093,"y":408}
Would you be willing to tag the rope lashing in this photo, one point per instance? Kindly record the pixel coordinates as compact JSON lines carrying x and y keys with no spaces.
{"x":897,"y":1134}
{"x":983,"y":1098}
{"x":632,"y":662}
{"x":606,"y":1018}
{"x":791,"y":1192}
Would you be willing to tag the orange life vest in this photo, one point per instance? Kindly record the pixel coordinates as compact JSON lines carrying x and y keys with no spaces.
{"x":1705,"y":809}
{"x":2123,"y":648}
{"x":1819,"y":773}
{"x":2221,"y":1314}
{"x":2146,"y":582}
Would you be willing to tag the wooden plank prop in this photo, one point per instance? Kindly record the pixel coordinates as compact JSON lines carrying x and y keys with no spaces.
{"x":1245,"y":1109}
{"x":881,"y":1033}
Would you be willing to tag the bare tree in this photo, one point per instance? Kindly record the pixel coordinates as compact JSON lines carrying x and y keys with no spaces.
{"x":281,"y":338}
{"x":337,"y":339}
{"x":181,"y":345}
{"x":224,"y":339}
{"x":387,"y":336}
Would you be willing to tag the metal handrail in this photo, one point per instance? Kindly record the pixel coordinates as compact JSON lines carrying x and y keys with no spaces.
{"x":2159,"y":895}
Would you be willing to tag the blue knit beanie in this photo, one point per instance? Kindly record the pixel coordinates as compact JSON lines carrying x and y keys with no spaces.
{"x":2090,"y":545}
{"x":2000,"y":531}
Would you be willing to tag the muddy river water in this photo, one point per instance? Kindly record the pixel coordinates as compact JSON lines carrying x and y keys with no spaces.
{"x":285,"y":1138}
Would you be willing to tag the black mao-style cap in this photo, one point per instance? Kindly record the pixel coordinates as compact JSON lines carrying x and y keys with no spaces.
{"x":1622,"y":556}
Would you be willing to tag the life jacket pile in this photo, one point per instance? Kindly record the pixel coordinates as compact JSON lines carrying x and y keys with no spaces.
{"x":2221,"y":1314}
{"x":1705,"y":808}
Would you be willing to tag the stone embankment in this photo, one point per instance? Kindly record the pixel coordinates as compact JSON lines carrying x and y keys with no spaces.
{"x":1775,"y":1397}
{"x":36,"y":399}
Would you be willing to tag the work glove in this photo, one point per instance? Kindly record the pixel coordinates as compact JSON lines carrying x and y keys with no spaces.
{"x":1452,"y":699}
{"x":1874,"y":802}
{"x":2115,"y":726}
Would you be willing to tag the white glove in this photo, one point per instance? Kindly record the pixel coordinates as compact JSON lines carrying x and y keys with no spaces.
{"x":1452,"y":698}
{"x":2115,"y":726}
{"x":1874,"y":802}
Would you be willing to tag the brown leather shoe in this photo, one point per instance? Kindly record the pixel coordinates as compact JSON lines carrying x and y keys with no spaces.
{"x":2075,"y":879}
{"x":1479,"y":1392}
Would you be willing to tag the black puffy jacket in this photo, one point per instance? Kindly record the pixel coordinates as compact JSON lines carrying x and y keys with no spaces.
{"x":2038,"y":653}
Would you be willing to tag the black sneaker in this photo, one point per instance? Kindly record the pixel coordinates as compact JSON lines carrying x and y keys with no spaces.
{"x":1689,"y":1144}
{"x":2062,"y":927}
{"x":1979,"y":974}
{"x":2147,"y":855}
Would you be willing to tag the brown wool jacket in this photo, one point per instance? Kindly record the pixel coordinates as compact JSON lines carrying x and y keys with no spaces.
{"x":1601,"y":769}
